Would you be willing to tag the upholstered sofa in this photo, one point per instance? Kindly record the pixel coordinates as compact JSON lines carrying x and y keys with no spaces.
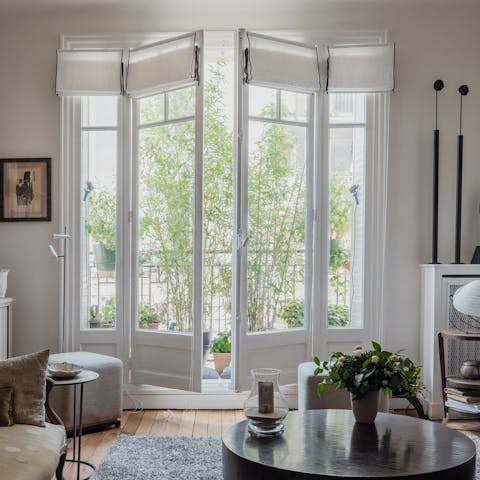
{"x":34,"y":453}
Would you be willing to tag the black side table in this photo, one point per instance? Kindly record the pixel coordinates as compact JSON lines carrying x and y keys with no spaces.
{"x":85,"y":376}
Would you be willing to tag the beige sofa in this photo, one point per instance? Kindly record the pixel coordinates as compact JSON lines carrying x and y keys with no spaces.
{"x":34,"y":453}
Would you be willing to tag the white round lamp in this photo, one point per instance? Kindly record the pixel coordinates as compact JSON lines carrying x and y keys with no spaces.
{"x":467,"y":299}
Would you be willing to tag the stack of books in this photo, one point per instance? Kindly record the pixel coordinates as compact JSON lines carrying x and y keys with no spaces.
{"x":463,"y":399}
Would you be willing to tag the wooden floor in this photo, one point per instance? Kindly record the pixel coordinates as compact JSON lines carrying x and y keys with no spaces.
{"x":190,"y":423}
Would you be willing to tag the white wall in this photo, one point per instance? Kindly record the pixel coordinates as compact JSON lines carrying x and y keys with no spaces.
{"x":433,"y":41}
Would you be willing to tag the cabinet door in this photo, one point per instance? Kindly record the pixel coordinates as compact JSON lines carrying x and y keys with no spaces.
{"x":3,"y":333}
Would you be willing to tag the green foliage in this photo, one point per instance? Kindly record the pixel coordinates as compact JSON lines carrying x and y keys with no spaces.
{"x":365,"y":371}
{"x":338,"y":315}
{"x":102,"y":217}
{"x":221,"y":343}
{"x":292,"y":313}
{"x":148,"y":315}
{"x":108,"y":312}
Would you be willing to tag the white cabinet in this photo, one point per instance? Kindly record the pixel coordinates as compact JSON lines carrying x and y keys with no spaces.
{"x":439,"y":283}
{"x":6,"y":308}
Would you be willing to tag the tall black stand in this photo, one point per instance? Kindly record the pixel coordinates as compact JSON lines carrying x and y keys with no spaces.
{"x":463,"y":90}
{"x":437,"y":86}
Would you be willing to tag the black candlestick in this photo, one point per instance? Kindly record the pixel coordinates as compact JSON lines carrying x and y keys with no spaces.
{"x":463,"y":90}
{"x":437,"y":86}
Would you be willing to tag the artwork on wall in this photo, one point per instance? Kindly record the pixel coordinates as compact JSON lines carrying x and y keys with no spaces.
{"x":25,"y":189}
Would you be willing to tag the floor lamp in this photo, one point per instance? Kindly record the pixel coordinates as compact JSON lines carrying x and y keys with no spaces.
{"x":62,"y":238}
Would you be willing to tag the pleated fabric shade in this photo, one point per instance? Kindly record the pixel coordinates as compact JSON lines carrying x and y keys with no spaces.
{"x":89,"y":72}
{"x":361,"y":68}
{"x":279,"y":63}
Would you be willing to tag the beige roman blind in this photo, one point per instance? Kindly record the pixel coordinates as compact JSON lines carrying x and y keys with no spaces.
{"x":361,"y":68}
{"x":161,"y":65}
{"x":280,"y":63}
{"x":89,"y":72}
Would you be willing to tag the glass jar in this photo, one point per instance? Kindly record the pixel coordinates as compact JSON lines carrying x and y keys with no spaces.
{"x":265,"y":407}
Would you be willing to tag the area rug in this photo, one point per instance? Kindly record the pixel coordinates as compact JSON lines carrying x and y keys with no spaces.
{"x":174,"y":458}
{"x":162,"y":458}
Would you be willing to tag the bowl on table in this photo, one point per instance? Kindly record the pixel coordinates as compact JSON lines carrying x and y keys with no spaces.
{"x":64,"y":370}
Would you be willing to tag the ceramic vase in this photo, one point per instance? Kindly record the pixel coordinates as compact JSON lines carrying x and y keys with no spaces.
{"x":365,"y":409}
{"x":3,"y":282}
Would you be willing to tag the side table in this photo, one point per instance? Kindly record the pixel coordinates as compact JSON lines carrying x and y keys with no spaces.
{"x":85,"y":376}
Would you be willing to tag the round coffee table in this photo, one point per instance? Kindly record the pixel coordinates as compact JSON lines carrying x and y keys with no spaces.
{"x":325,"y":444}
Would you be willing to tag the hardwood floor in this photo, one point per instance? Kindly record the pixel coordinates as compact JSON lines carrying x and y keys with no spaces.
{"x":190,"y":423}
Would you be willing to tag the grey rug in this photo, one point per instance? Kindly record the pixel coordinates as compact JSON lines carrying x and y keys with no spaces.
{"x":162,"y":458}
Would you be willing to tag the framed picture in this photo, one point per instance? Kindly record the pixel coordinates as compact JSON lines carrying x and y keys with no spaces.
{"x":25,"y":190}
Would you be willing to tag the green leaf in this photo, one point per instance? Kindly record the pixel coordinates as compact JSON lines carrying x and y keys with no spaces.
{"x":316,"y":360}
{"x":376,"y":346}
{"x":323,"y":387}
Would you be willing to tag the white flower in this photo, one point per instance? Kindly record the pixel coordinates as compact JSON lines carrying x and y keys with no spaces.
{"x":359,"y":347}
{"x":339,"y":364}
{"x":375,"y":359}
{"x":341,"y":359}
{"x":394,"y":358}
{"x":358,"y":352}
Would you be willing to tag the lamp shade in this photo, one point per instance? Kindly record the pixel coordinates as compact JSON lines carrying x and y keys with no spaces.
{"x":467,"y":299}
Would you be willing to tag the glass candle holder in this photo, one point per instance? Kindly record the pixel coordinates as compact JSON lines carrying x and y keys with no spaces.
{"x":265,"y":407}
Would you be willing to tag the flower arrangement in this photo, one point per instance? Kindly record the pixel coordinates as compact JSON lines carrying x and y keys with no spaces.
{"x":366,"y":371}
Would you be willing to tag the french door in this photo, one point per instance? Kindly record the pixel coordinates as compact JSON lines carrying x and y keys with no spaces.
{"x":274,"y":201}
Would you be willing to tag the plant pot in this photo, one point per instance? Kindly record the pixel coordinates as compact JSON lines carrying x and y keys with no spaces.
{"x":365,"y":409}
{"x":221,"y":361}
{"x":149,"y":326}
{"x":104,"y":258}
{"x":94,"y":322}
{"x":205,"y":344}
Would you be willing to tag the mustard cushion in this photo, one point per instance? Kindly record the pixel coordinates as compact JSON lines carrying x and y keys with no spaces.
{"x":6,"y":397}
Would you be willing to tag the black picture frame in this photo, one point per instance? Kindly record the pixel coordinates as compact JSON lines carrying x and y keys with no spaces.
{"x":25,"y":190}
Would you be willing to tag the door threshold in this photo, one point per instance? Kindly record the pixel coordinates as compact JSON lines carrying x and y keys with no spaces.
{"x":211,"y":398}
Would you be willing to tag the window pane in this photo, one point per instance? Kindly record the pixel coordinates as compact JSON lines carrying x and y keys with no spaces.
{"x":262,"y":102}
{"x":166,"y":219}
{"x":151,"y":109}
{"x":276,"y":226}
{"x":294,"y":106}
{"x":347,"y":226}
{"x":99,"y":111}
{"x":99,"y":167}
{"x":181,"y":103}
{"x":347,"y":107}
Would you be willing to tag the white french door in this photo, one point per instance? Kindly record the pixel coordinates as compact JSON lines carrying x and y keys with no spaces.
{"x":274,"y":201}
{"x":135,"y":170}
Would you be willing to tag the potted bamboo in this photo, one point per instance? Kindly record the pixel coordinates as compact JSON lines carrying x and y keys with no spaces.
{"x":221,"y":349}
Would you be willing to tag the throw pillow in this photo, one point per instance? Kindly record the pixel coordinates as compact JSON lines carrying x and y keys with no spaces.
{"x":6,"y":397}
{"x":26,"y":375}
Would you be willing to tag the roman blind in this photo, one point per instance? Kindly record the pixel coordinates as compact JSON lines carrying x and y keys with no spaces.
{"x":89,"y":72}
{"x":361,"y":68}
{"x":279,"y":63}
{"x":165,"y":64}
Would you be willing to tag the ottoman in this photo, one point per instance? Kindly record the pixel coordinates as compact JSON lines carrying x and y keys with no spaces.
{"x":308,"y":397}
{"x":102,"y":399}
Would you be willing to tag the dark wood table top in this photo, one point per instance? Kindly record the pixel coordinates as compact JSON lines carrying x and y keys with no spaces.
{"x":330,"y":444}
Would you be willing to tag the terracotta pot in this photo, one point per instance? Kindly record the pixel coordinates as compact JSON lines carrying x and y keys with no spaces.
{"x":149,"y":326}
{"x":221,"y":361}
{"x":365,"y":410}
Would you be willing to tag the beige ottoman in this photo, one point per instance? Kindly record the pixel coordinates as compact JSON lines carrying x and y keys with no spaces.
{"x":308,"y":397}
{"x":102,"y":399}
